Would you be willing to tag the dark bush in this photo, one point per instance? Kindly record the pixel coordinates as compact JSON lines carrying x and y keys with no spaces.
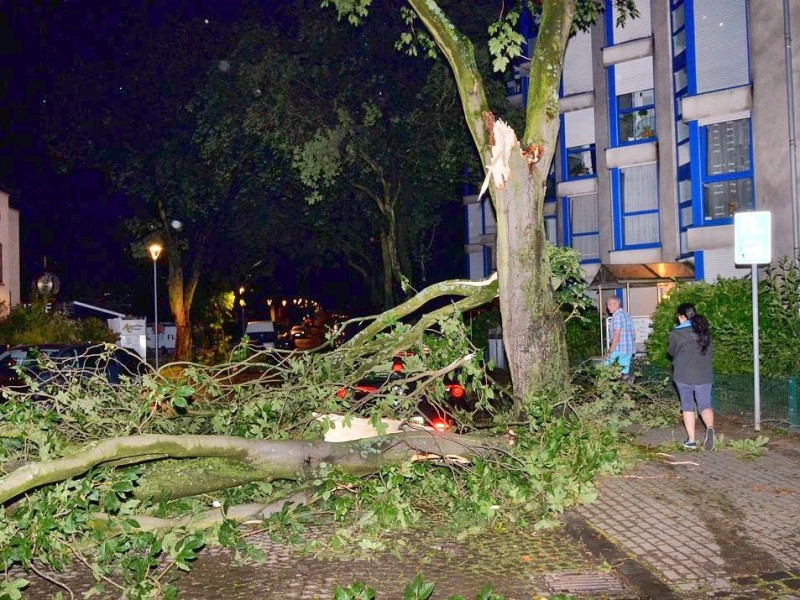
{"x":728,"y":306}
{"x":32,"y":325}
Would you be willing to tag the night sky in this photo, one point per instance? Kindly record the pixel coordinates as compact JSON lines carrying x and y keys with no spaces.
{"x":73,"y":221}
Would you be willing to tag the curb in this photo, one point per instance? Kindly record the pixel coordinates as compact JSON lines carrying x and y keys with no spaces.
{"x":639,"y":578}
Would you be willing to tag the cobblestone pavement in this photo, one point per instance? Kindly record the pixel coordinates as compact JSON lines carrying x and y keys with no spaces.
{"x":680,"y":525}
{"x":710,"y":524}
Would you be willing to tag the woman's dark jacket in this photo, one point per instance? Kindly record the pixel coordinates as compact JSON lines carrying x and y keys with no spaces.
{"x":688,"y":364}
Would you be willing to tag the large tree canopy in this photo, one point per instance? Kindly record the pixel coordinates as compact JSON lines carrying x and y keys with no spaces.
{"x":363,"y":124}
{"x":533,"y":331}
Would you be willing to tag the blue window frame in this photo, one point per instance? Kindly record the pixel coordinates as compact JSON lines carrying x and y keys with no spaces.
{"x":632,"y":114}
{"x":682,"y":47}
{"x":726,"y":171}
{"x":635,"y":203}
{"x":579,"y":162}
{"x":581,"y":226}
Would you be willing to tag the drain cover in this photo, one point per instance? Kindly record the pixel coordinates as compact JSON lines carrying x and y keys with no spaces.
{"x":591,"y":584}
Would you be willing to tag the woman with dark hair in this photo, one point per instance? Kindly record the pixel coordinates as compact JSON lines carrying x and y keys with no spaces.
{"x":690,"y":349}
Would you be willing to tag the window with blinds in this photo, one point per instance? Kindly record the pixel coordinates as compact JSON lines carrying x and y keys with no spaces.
{"x":634,"y":29}
{"x":578,"y":139}
{"x":577,"y":77}
{"x":728,"y":177}
{"x":634,"y":101}
{"x":720,"y":41}
{"x":584,"y":227}
{"x":551,"y":230}
{"x":639,"y":202}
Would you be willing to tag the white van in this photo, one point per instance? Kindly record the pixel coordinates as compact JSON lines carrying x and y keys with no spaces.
{"x":261,"y":333}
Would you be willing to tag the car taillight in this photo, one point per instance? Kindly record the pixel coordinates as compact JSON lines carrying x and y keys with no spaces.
{"x":456,"y":391}
{"x":440,"y":424}
{"x":342,"y":393}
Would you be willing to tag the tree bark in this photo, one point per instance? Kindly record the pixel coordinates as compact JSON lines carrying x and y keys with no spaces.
{"x":180,"y":312}
{"x":268,"y":459}
{"x":387,"y":271}
{"x":533,"y":331}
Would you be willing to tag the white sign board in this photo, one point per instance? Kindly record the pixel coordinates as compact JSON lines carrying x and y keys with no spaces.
{"x":752,"y":238}
{"x":131,"y":333}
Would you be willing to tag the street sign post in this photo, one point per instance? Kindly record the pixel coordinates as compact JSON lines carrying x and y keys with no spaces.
{"x":752,"y":232}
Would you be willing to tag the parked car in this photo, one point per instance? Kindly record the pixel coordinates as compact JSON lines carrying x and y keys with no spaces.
{"x":433,"y":412}
{"x":82,"y":360}
{"x":261,"y":334}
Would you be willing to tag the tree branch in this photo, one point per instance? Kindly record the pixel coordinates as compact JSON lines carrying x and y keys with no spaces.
{"x":269,"y":459}
{"x":460,"y":54}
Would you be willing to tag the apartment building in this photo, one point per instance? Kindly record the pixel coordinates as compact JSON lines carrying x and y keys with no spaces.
{"x":9,"y":255}
{"x":669,"y":126}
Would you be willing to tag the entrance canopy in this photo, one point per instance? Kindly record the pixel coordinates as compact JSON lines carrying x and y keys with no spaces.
{"x":656,"y":275}
{"x":614,"y":276}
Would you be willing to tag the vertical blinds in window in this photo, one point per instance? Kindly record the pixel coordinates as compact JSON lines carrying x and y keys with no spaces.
{"x":578,"y":64}
{"x":634,"y":28}
{"x":584,"y":214}
{"x":720,"y":33}
{"x":728,"y":147}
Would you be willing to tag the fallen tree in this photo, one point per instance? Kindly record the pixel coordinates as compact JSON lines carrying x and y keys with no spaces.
{"x":264,"y":460}
{"x":134,"y":479}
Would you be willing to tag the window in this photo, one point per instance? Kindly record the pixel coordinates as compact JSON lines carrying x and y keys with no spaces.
{"x":550,"y":185}
{"x":581,"y":162}
{"x":637,"y":116}
{"x":577,"y":73}
{"x":639,"y":206}
{"x":583,"y":227}
{"x":721,"y":49}
{"x":728,"y":176}
{"x":551,"y":229}
{"x":578,"y":158}
{"x":634,"y":28}
{"x":633,"y":102}
{"x":683,"y":135}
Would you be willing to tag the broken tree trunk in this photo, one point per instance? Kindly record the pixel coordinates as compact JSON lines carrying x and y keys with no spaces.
{"x":267,"y":460}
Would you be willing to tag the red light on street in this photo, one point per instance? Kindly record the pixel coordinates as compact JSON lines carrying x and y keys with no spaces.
{"x":440,"y":424}
{"x":456,"y":391}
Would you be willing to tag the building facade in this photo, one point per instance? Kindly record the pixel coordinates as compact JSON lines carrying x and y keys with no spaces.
{"x":9,"y":255}
{"x":669,"y":126}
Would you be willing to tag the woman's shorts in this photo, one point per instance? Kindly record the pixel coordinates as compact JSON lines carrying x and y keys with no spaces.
{"x":694,"y":393}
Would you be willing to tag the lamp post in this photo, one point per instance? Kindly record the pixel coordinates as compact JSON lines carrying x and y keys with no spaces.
{"x":241,"y":308}
{"x":155,"y":252}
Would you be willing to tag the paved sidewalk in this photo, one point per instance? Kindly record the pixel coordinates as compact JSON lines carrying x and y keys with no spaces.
{"x":708,"y":523}
{"x":680,"y":525}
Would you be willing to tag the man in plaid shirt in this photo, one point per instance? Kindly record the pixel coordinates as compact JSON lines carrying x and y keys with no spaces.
{"x":623,"y":336}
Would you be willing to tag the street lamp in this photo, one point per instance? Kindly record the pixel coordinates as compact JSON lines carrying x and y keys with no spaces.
{"x":155,"y":252}
{"x":241,"y":307}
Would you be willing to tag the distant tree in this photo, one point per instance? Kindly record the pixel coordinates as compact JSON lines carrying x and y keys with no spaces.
{"x":356,"y":121}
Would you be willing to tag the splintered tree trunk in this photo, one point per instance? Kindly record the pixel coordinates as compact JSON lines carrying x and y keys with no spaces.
{"x":533,"y":330}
